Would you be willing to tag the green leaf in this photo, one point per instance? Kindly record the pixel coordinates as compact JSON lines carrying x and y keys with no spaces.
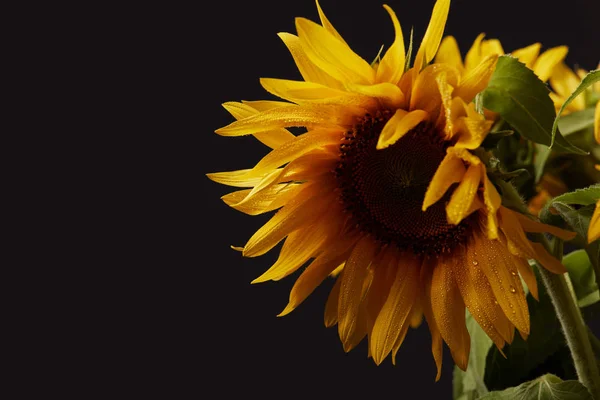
{"x":568,"y":125}
{"x":582,"y":277}
{"x":469,"y":385}
{"x":547,"y":387}
{"x":584,"y":197}
{"x":590,"y":78}
{"x":576,"y":121}
{"x":377,"y":58}
{"x":520,"y":98}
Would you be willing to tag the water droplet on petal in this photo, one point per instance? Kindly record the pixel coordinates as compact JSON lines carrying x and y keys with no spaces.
{"x":512,"y":289}
{"x":513,"y":273}
{"x":475,"y":262}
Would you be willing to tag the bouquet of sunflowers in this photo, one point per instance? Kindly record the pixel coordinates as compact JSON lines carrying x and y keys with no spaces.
{"x":464,"y":192}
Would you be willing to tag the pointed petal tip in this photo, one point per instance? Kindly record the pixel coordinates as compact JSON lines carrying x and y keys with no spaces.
{"x":237,"y":248}
{"x":288,"y":309}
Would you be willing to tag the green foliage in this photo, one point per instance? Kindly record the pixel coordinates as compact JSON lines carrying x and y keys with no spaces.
{"x":582,"y":277}
{"x":547,"y":387}
{"x":521,"y":99}
{"x":409,"y":52}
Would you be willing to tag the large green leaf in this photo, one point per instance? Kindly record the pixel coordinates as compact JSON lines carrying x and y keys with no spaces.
{"x":521,"y":99}
{"x":582,"y":277}
{"x":469,"y":385}
{"x":591,"y":78}
{"x":547,"y":387}
{"x":568,"y":124}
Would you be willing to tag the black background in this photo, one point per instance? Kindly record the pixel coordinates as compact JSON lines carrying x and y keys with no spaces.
{"x":247,"y":347}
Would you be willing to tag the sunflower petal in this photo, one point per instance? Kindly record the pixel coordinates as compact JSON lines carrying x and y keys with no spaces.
{"x":496,"y":262}
{"x":469,"y":289}
{"x":436,"y":337}
{"x":331,"y":306}
{"x":393,"y":317}
{"x":473,"y":57}
{"x":237,"y":178}
{"x":327,"y":25}
{"x":433,"y":35}
{"x":391,"y":66}
{"x":476,"y":79}
{"x":529,"y":225}
{"x":331,"y":55}
{"x":492,"y":201}
{"x":528,"y":275}
{"x":309,"y":116}
{"x":463,"y":196}
{"x":594,"y":228}
{"x":355,"y":273}
{"x":449,"y":312}
{"x":289,"y":151}
{"x":284,"y":222}
{"x":268,"y":200}
{"x":449,"y":53}
{"x":309,"y":71}
{"x":528,"y":55}
{"x":544,"y":65}
{"x":426,"y":91}
{"x":450,"y":171}
{"x":390,"y":95}
{"x":316,"y":273}
{"x":564,"y":82}
{"x":547,"y":260}
{"x":398,"y":126}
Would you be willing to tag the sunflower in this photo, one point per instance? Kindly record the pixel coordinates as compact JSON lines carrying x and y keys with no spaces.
{"x":594,"y":228}
{"x":386,"y":191}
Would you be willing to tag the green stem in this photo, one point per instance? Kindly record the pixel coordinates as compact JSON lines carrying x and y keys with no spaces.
{"x":567,"y":311}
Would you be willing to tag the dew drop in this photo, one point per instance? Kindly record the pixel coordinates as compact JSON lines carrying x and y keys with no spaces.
{"x":512,"y":289}
{"x":513,"y":273}
{"x":496,"y":302}
{"x":475,"y":262}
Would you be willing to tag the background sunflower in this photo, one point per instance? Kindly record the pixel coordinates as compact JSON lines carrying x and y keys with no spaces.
{"x":298,"y":348}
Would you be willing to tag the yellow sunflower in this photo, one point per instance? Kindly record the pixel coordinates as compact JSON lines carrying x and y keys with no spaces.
{"x":594,"y":228}
{"x":386,"y":192}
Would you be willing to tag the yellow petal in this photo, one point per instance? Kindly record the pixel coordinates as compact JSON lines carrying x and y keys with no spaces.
{"x":547,"y":260}
{"x":400,"y":124}
{"x":436,"y":337}
{"x":497,"y":264}
{"x":433,"y":35}
{"x":331,"y":306}
{"x":564,"y":82}
{"x":470,"y":289}
{"x":309,"y":71}
{"x":476,"y":79}
{"x":492,"y":201}
{"x":485,"y":297}
{"x":273,"y":138}
{"x":268,"y":200}
{"x":471,"y":131}
{"x":449,"y":53}
{"x":355,"y":273}
{"x":327,"y":25}
{"x":491,"y":47}
{"x":264,"y":105}
{"x":297,"y":249}
{"x":391,"y":66}
{"x":331,"y":55}
{"x":383,"y":278}
{"x":529,"y":225}
{"x":393,"y":316}
{"x":449,"y":312}
{"x":528,"y":55}
{"x":309,"y":116}
{"x":463,"y":196}
{"x":594,"y":228}
{"x":285,"y":221}
{"x":426,"y":92}
{"x":293,"y":149}
{"x":528,"y":275}
{"x":473,"y":57}
{"x":544,"y":65}
{"x":316,"y":273}
{"x":236,"y":178}
{"x":450,"y":170}
{"x":446,"y":119}
{"x":391,"y":96}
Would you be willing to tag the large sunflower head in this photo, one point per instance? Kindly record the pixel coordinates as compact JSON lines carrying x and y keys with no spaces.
{"x":388,"y":192}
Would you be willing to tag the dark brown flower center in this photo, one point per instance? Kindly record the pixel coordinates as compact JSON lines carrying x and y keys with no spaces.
{"x":383,"y":190}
